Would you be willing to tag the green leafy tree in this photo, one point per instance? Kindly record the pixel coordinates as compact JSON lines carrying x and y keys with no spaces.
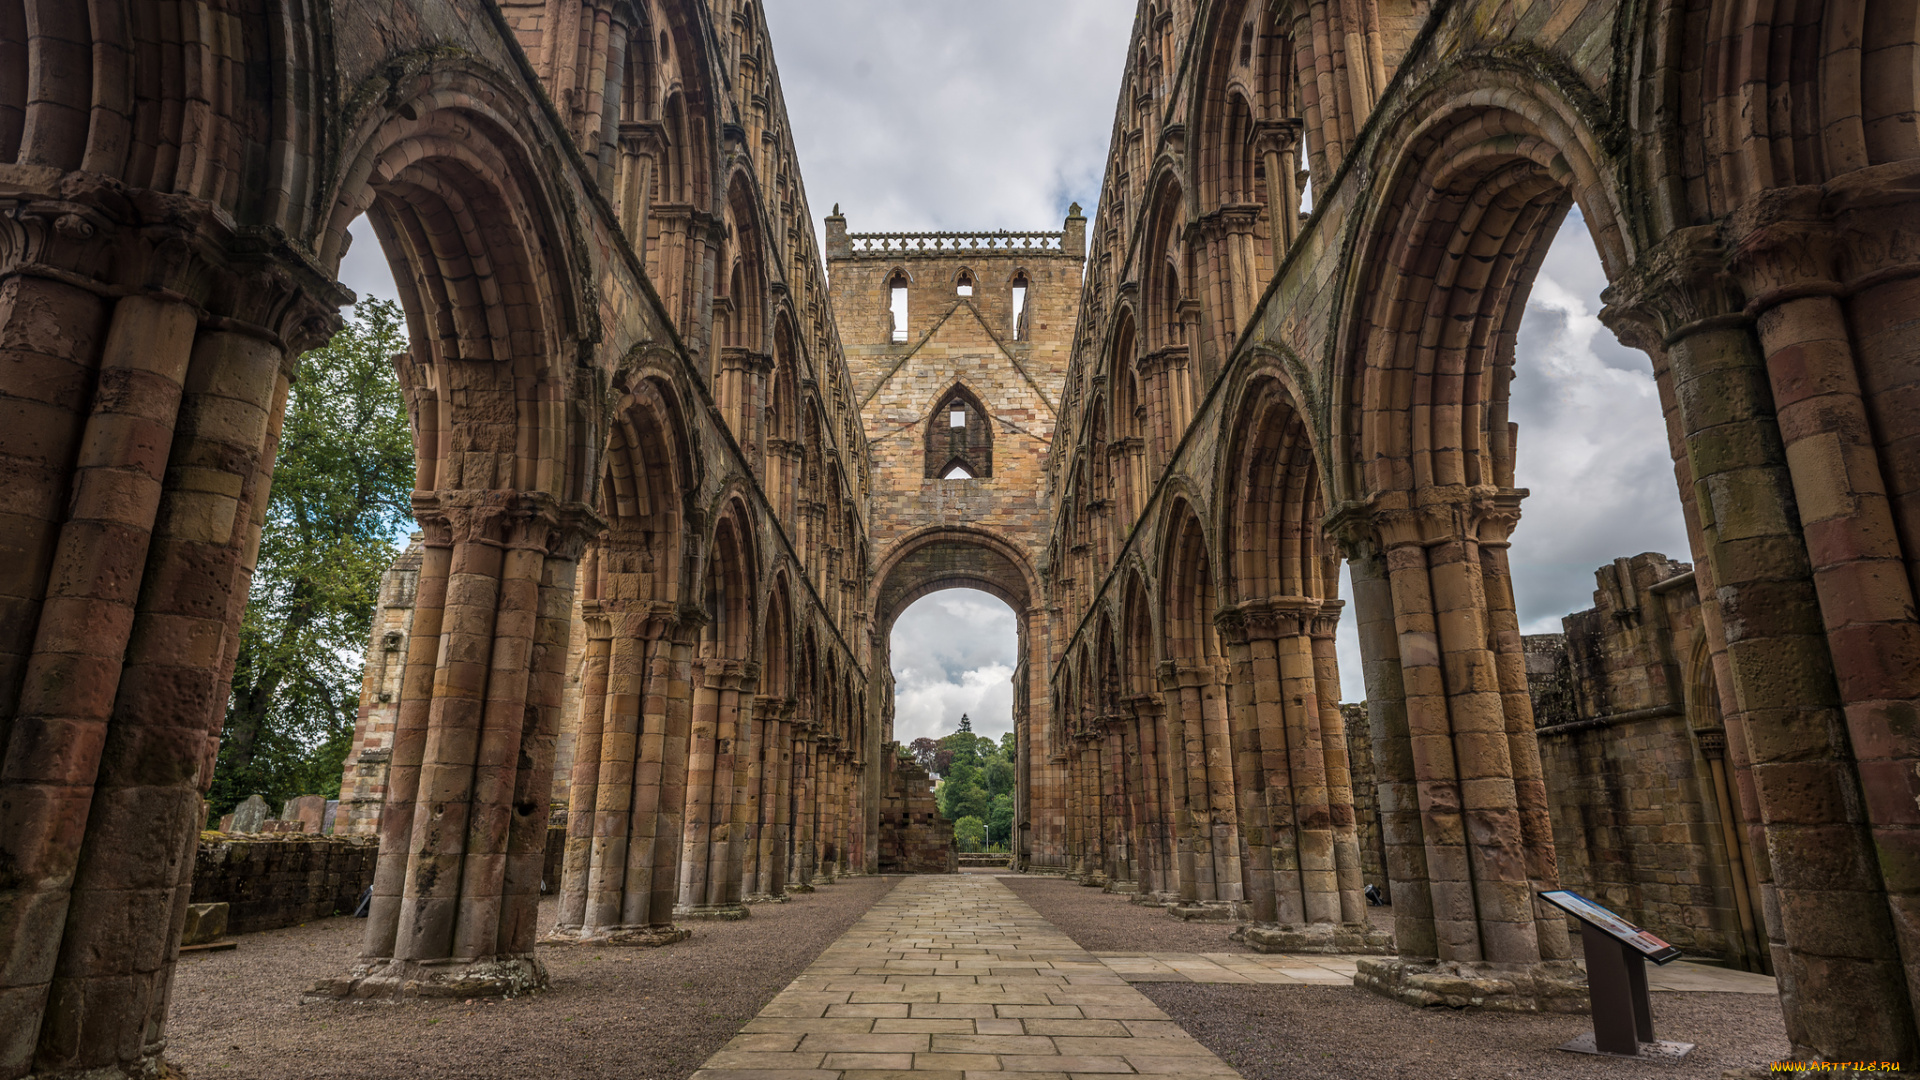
{"x":970,"y":834}
{"x":978,"y":775}
{"x":342,"y":483}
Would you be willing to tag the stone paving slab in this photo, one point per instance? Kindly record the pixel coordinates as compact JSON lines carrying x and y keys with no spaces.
{"x":956,"y":978}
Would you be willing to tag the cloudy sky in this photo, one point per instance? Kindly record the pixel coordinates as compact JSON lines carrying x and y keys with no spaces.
{"x":996,"y":114}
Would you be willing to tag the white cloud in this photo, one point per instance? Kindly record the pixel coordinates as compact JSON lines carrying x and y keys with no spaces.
{"x":954,"y":652}
{"x":365,"y":269}
{"x":984,"y":115}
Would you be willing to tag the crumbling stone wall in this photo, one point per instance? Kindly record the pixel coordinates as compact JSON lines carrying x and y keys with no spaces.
{"x":1366,"y":800}
{"x":274,"y":880}
{"x":914,"y":838}
{"x":363,"y":781}
{"x":1630,"y":739}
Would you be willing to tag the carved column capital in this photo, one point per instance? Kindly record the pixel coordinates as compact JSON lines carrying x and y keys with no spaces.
{"x":1679,"y":288}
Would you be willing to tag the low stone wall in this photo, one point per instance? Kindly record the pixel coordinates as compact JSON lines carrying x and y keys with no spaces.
{"x":914,"y":838}
{"x":273,"y":880}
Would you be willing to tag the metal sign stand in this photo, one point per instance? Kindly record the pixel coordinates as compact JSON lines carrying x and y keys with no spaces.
{"x":1617,"y":985}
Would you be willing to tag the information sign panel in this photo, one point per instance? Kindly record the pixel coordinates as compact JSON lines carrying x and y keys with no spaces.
{"x":1626,"y":933}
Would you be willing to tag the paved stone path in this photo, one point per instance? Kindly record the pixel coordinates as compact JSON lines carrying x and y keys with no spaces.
{"x":949,"y":976}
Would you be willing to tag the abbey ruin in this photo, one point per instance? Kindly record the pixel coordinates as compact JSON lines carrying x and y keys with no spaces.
{"x":681,"y":463}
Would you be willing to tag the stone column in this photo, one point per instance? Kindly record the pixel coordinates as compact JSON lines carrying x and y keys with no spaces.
{"x":709,"y":880}
{"x":458,"y":923}
{"x":1777,"y":560}
{"x":1835,"y":402}
{"x":1299,"y":897}
{"x":583,"y":786}
{"x":75,"y":655}
{"x":1485,"y":925}
{"x":1278,"y":142}
{"x":607,"y":892}
{"x":1403,"y":838}
{"x":1339,"y":770}
{"x":805,"y":801}
{"x":1120,"y":847}
{"x":1157,"y":792}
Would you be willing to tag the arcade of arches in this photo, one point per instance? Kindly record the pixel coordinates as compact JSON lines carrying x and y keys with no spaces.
{"x":674,"y":479}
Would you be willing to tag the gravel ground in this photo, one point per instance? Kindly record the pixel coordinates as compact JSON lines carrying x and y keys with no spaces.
{"x":638,"y":1014}
{"x":1291,"y":1032}
{"x":1276,"y":1032}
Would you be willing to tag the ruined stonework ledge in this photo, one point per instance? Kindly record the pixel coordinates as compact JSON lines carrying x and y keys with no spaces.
{"x":1208,"y":911}
{"x":1339,"y":938}
{"x":399,"y":980}
{"x":713,"y":912}
{"x":1551,"y":986}
{"x":643,"y":937}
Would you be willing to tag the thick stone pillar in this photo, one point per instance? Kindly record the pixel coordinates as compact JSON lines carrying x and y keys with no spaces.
{"x":1486,"y":926}
{"x":1202,"y":765}
{"x":1299,"y":899}
{"x":147,"y":370}
{"x":1160,"y":884}
{"x":1794,"y":264}
{"x":608,"y":887}
{"x":1790,"y":519}
{"x":1348,"y":876}
{"x":805,"y":806}
{"x":1114,"y":797}
{"x":776,"y":771}
{"x":710,"y":863}
{"x":451,"y":911}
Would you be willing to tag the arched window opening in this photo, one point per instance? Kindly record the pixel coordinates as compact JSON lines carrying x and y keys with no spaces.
{"x":959,"y":436}
{"x":897,"y":303}
{"x":1020,"y":307}
{"x":965,"y":284}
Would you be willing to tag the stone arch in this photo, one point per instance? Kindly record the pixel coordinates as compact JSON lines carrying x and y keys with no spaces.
{"x":1273,"y":500}
{"x":482,"y":259}
{"x":730,"y":591}
{"x":950,"y":557}
{"x":1477,"y":176}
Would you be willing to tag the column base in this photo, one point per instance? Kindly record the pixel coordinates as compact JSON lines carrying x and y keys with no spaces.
{"x":713,"y":912}
{"x":1208,"y":911}
{"x":802,"y":887}
{"x":1342,"y":938}
{"x":766,"y":898}
{"x":1550,"y":986}
{"x":1123,"y":888}
{"x":1095,"y":880}
{"x":645,"y":937}
{"x":398,"y":980}
{"x":1153,"y":898}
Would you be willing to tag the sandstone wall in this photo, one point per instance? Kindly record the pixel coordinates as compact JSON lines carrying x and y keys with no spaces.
{"x":914,"y":838}
{"x":1631,"y":741}
{"x":280,"y":880}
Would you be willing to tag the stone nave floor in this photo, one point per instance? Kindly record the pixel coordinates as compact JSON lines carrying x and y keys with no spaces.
{"x":941,"y":976}
{"x":955,"y":974}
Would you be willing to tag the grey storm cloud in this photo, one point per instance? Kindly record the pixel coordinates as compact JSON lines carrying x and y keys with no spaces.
{"x":996,"y":114}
